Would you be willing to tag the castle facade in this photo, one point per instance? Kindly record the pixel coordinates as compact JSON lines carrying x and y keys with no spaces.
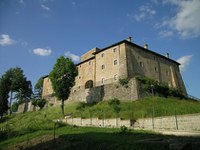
{"x":100,"y":70}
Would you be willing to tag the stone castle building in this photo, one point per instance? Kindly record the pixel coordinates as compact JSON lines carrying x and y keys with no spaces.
{"x":100,"y":69}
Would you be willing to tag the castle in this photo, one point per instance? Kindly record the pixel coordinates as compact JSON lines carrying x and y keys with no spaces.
{"x":100,"y":70}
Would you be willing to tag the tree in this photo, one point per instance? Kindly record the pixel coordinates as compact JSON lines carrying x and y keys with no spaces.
{"x":63,"y":78}
{"x":38,"y":88}
{"x":14,"y":106}
{"x":14,"y":81}
{"x":4,"y":90}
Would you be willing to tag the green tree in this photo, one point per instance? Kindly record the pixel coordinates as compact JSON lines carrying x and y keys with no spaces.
{"x":38,"y":88}
{"x":14,"y":106}
{"x":63,"y":78}
{"x":4,"y":95}
{"x":41,"y":103}
{"x":16,"y":83}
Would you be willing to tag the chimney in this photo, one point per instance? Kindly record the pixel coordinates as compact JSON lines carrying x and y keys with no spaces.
{"x":167,"y":55}
{"x":129,"y":39}
{"x":146,"y":46}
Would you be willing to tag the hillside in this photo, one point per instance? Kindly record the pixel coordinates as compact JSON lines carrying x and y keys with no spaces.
{"x":24,"y":127}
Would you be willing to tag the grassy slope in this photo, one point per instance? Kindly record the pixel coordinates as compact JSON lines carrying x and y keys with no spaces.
{"x":23,"y":127}
{"x":139,"y":109}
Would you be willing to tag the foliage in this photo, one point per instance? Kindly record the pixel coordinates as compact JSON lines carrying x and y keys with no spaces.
{"x":14,"y":106}
{"x":14,"y":81}
{"x":154,"y":87}
{"x":41,"y":103}
{"x":124,"y":82}
{"x":4,"y":90}
{"x":115,"y":104}
{"x":24,"y":93}
{"x":38,"y":88}
{"x":123,"y":130}
{"x":63,"y":78}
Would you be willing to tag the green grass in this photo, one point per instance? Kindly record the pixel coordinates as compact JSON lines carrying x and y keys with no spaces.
{"x":24,"y":127}
{"x":138,"y":109}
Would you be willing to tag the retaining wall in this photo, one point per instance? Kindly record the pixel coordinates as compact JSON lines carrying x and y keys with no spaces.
{"x":190,"y":122}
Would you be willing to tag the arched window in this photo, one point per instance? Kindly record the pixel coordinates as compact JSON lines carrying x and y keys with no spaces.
{"x":89,"y":84}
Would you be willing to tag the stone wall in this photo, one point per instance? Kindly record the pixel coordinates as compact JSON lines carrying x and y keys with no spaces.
{"x":188,"y":122}
{"x":107,"y":92}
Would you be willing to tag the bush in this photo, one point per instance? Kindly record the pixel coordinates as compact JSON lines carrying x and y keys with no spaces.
{"x":115,"y":104}
{"x":41,"y":103}
{"x":123,"y":130}
{"x":124,"y":82}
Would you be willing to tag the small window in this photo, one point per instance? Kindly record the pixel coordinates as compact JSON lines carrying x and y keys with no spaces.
{"x":89,"y":62}
{"x":79,"y":77}
{"x":79,"y":87}
{"x":141,"y":64}
{"x":103,"y":67}
{"x":115,"y":62}
{"x":156,"y":69}
{"x":102,"y":55}
{"x":115,"y":77}
{"x":102,"y":80}
{"x":114,"y":50}
{"x":80,"y":66}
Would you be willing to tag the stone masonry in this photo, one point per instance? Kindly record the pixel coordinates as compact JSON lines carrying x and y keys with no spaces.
{"x":100,"y":70}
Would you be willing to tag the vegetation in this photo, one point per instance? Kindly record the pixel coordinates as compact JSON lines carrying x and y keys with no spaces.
{"x":154,"y":87}
{"x":40,"y":124}
{"x":134,"y":109}
{"x":38,"y":88}
{"x":124,"y":82}
{"x":63,"y":78}
{"x":15,"y":83}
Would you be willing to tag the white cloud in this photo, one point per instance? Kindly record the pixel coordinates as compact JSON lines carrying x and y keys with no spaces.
{"x":75,"y":58}
{"x":42,"y":52}
{"x":45,"y":7}
{"x":6,"y":40}
{"x":166,"y":33}
{"x":145,"y":12}
{"x":184,"y":61}
{"x":187,"y":19}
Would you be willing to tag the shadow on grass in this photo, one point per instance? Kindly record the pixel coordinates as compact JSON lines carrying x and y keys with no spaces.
{"x":98,"y":141}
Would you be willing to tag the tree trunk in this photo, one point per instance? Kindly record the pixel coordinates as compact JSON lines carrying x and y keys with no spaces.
{"x":62,"y":107}
{"x":10,"y":103}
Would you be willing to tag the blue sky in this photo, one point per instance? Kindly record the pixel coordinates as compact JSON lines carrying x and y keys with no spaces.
{"x":34,"y":33}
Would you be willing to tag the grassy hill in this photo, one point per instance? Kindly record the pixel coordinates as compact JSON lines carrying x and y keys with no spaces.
{"x":27,"y":126}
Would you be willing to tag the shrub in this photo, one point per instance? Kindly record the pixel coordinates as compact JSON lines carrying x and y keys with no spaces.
{"x":124,"y":82}
{"x":123,"y":130}
{"x":115,"y":104}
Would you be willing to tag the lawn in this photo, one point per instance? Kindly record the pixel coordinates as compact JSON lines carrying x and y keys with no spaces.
{"x":36,"y":130}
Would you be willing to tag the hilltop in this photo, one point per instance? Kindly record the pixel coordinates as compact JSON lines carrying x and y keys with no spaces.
{"x":40,"y":127}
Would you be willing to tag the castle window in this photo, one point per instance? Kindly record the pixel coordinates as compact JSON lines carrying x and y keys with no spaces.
{"x":156,"y":69}
{"x":114,"y":50}
{"x":102,"y":55}
{"x":115,"y":77}
{"x":115,"y":62}
{"x":80,"y":66}
{"x":79,"y":77}
{"x":103,"y":67}
{"x":141,"y":64}
{"x":89,"y":62}
{"x":102,"y":80}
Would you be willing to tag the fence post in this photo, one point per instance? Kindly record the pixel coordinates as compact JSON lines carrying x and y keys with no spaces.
{"x":153,"y":118}
{"x":176,"y":119}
